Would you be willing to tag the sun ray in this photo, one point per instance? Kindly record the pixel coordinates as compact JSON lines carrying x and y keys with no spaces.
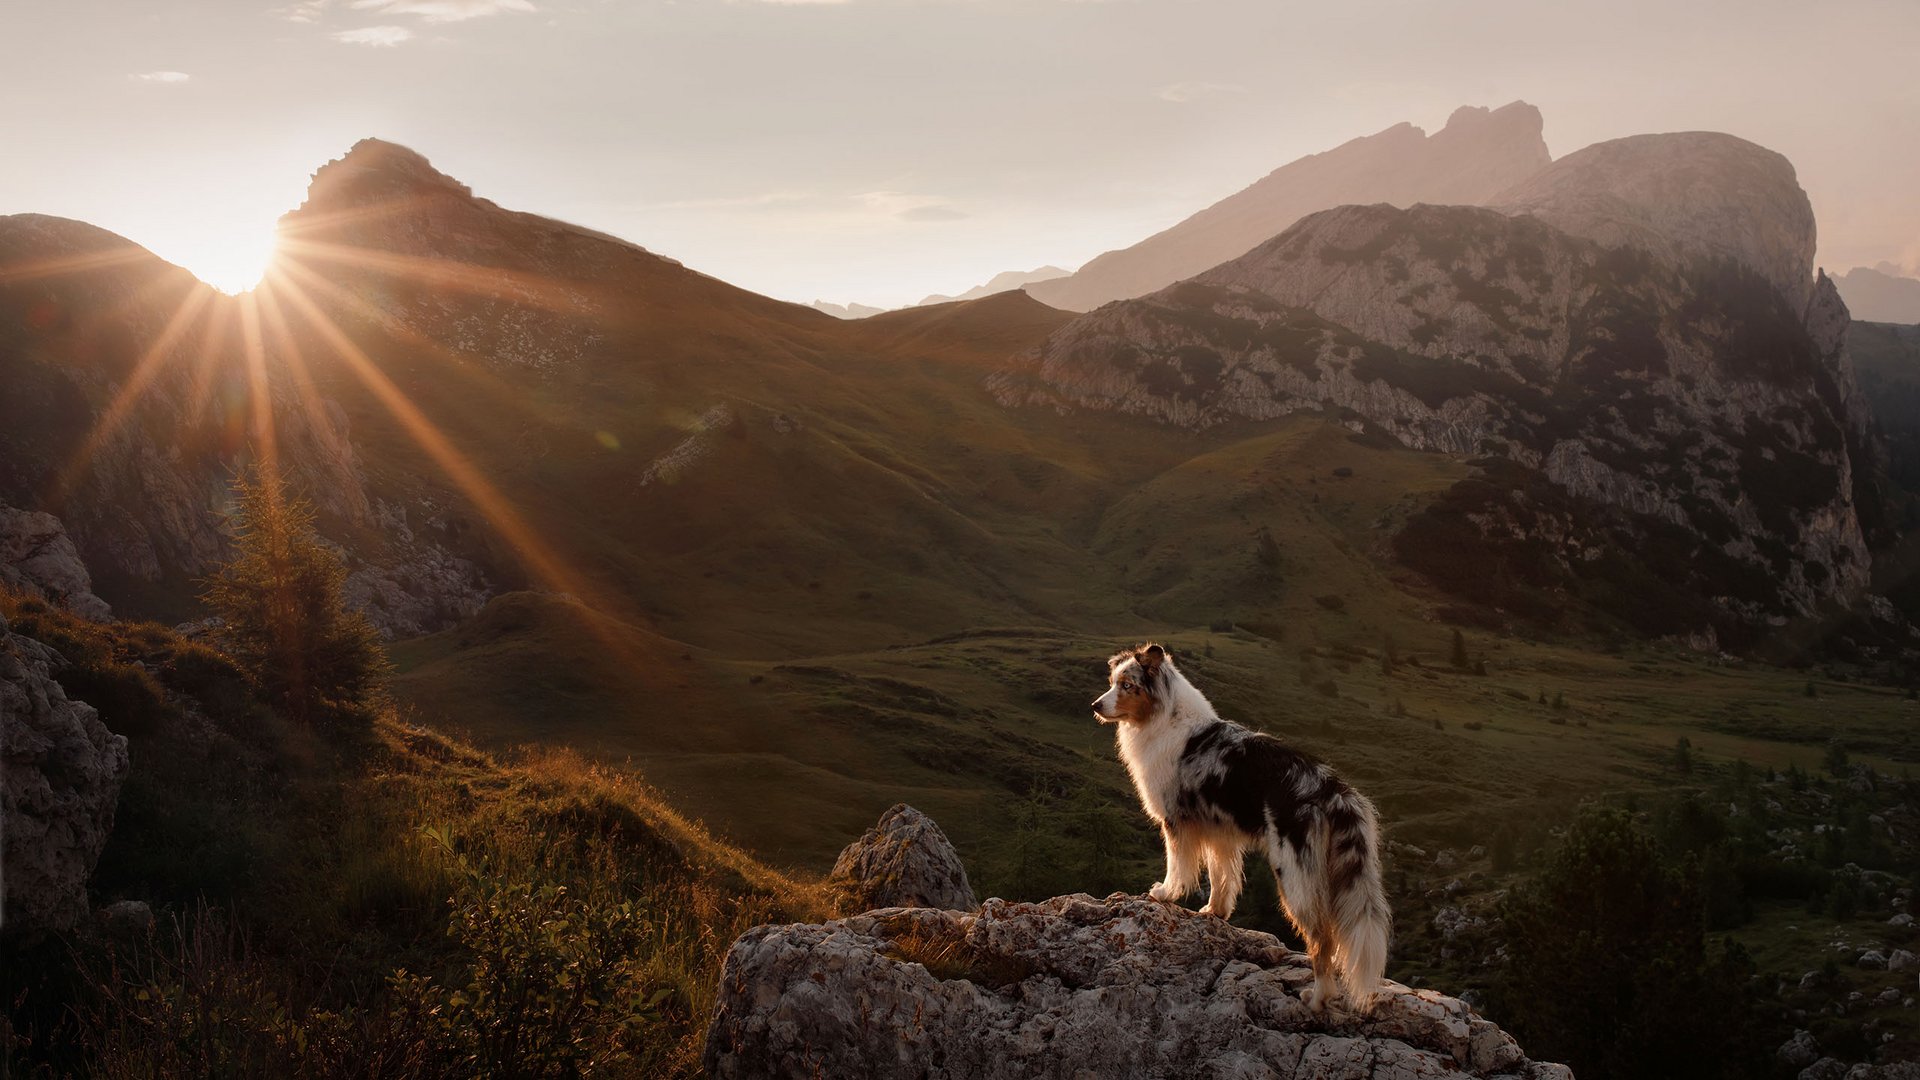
{"x":15,"y":273}
{"x":492,"y":385}
{"x":259,"y":395}
{"x":145,"y":370}
{"x":486,"y":281}
{"x":547,"y":566}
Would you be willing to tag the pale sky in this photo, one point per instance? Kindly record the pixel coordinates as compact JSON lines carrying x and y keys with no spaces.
{"x":880,"y":150}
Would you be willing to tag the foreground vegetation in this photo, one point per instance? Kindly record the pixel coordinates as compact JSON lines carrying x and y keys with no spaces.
{"x":379,"y":901}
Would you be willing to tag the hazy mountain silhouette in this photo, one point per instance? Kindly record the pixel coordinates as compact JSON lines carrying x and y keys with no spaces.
{"x":1001,"y":282}
{"x":1880,"y":294}
{"x":1478,"y":154}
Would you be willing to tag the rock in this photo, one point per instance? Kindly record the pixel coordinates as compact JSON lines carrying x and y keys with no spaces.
{"x":126,"y":918}
{"x":1800,"y":1051}
{"x":1889,"y":996}
{"x":1070,"y":987}
{"x":1901,"y":960}
{"x":1902,"y":919}
{"x":904,"y":861}
{"x":1692,"y":197}
{"x":63,"y":770}
{"x":1446,"y":860}
{"x":1825,"y":1069}
{"x":37,"y":557}
{"x":1873,"y":960}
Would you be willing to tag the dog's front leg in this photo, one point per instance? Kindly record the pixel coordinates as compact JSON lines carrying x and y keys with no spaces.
{"x":1183,"y":866}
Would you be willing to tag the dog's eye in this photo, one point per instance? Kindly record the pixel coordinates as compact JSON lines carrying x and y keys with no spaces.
{"x":1126,"y":686}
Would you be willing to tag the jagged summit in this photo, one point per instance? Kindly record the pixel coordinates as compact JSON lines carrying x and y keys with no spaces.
{"x":1480,"y":153}
{"x":374,"y":170}
{"x":1685,"y":196}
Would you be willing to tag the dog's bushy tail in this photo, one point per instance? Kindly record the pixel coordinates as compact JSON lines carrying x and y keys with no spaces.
{"x":1356,"y":900}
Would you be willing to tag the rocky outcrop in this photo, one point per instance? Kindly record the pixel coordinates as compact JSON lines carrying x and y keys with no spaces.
{"x":1072,"y":987}
{"x":60,"y":777}
{"x":38,"y":558}
{"x":904,"y":861}
{"x":1686,"y":197}
{"x":1692,"y":394}
{"x":1479,"y":153}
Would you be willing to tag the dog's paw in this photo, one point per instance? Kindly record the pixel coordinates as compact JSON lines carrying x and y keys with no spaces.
{"x":1208,"y":909}
{"x":1314,"y":1000}
{"x":1162,"y":891}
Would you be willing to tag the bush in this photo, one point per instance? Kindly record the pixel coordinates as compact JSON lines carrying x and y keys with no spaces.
{"x":1608,"y":967}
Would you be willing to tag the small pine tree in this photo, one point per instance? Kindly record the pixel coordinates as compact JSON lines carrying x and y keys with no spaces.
{"x":1559,"y":701}
{"x":1683,"y":754}
{"x":285,"y":619}
{"x":1836,"y":759}
{"x":1458,"y":657}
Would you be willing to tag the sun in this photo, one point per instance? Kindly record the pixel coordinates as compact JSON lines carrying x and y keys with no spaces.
{"x":230,"y":262}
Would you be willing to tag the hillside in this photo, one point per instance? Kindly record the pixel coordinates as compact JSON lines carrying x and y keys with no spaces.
{"x":1479,"y":153}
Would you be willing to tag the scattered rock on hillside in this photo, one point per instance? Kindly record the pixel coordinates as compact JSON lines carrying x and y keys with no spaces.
{"x":37,"y":557}
{"x":63,"y":770}
{"x":904,"y":861}
{"x":1073,"y":986}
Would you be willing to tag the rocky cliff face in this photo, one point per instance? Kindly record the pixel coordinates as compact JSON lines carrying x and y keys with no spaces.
{"x":904,"y":861}
{"x":38,"y":558}
{"x":1479,"y":153}
{"x":60,"y":777}
{"x":1698,"y":384}
{"x":1687,"y":197}
{"x":1070,"y":987}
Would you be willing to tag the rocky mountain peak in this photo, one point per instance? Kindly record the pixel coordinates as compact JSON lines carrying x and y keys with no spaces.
{"x":375,"y":171}
{"x":1685,"y":196}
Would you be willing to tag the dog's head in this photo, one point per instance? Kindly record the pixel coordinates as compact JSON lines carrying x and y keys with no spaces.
{"x":1138,"y":684}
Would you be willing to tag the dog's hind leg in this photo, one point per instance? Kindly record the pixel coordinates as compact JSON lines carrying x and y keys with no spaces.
{"x":1225,"y":870}
{"x":1183,"y":865}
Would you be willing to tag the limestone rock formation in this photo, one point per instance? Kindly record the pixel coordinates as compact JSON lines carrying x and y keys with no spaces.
{"x":1479,"y":153}
{"x":904,"y":861}
{"x":60,"y":777}
{"x":1688,"y":372}
{"x":37,"y":557}
{"x":1071,"y":987}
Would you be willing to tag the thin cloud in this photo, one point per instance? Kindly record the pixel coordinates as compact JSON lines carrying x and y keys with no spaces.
{"x":444,"y":11}
{"x":305,"y":11}
{"x":931,"y":213}
{"x":1181,"y":93}
{"x":378,"y":37}
{"x":165,"y":78}
{"x":908,"y":207}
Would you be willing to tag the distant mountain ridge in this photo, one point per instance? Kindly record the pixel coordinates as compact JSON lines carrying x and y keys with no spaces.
{"x":1478,"y":154}
{"x":1002,"y":282}
{"x":1882,"y":293}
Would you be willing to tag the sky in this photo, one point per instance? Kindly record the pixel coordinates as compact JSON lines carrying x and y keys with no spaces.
{"x":881,"y":150}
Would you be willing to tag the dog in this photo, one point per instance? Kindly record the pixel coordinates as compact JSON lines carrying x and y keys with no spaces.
{"x":1217,"y":790}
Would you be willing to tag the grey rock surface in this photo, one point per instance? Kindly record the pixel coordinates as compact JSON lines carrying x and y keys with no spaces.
{"x":60,"y":777}
{"x":1071,"y":987}
{"x":37,"y":557}
{"x":904,"y":861}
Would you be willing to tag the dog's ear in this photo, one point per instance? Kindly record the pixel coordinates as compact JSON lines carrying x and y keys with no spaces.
{"x":1152,"y":656}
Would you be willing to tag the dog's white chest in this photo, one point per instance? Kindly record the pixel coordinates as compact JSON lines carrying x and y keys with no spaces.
{"x":1152,"y":756}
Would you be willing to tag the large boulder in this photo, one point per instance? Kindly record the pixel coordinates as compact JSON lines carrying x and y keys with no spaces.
{"x":904,"y":861}
{"x":37,"y":557}
{"x":60,"y":777}
{"x":1071,"y":987}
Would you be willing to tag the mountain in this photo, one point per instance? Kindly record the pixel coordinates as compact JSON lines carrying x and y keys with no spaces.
{"x":1478,"y":154}
{"x":1001,"y":282}
{"x":845,"y":311}
{"x":1880,"y":294}
{"x":1662,"y":396}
